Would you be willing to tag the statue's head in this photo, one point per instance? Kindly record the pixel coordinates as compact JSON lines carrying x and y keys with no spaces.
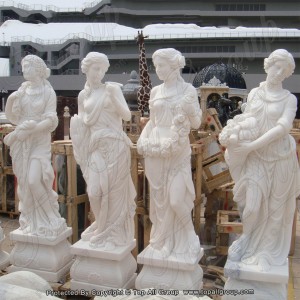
{"x":281,"y":55}
{"x":168,"y":62}
{"x":94,"y":58}
{"x":34,"y":66}
{"x":172,"y":56}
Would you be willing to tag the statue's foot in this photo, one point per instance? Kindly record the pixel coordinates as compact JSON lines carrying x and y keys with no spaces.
{"x":89,"y":232}
{"x":109,"y":246}
{"x":263,"y":265}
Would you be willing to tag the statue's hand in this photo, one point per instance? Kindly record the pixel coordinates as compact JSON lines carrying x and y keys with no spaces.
{"x":242,"y":148}
{"x":28,"y":125}
{"x":22,"y":134}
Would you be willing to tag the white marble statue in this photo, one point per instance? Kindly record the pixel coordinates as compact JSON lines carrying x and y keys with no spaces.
{"x":102,"y":150}
{"x":262,"y":160}
{"x":33,"y":109}
{"x":26,"y":286}
{"x":164,"y":143}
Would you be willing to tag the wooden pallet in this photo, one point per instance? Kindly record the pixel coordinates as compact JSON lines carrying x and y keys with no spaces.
{"x":9,"y":201}
{"x":133,"y":127}
{"x":5,"y":159}
{"x":226,"y":223}
{"x":69,"y":196}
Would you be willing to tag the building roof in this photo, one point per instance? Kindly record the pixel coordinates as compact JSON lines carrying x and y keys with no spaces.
{"x":58,"y":33}
{"x":54,"y":5}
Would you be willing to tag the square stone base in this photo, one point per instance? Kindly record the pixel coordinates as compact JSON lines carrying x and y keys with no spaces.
{"x":177,"y":271}
{"x":97,"y":269}
{"x":48,"y":257}
{"x":238,"y":270}
{"x":251,"y":283}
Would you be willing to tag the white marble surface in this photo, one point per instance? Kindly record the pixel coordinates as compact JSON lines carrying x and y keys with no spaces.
{"x":182,"y":261}
{"x":24,"y":285}
{"x":164,"y":143}
{"x":33,"y":109}
{"x":98,"y":269}
{"x":102,"y":150}
{"x":48,"y":258}
{"x":262,"y":160}
{"x":254,"y":290}
{"x":239,"y":270}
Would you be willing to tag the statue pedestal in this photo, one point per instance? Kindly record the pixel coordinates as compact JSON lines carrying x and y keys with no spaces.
{"x":177,"y":271}
{"x":48,"y":257}
{"x":97,"y":269}
{"x":4,"y":257}
{"x":255,"y":284}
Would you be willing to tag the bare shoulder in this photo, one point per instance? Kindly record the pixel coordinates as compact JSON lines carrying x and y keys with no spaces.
{"x":292,"y":100}
{"x":190,"y":89}
{"x":154,"y":90}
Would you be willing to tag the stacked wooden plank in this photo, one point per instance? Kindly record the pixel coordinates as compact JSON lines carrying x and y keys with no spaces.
{"x":9,"y":201}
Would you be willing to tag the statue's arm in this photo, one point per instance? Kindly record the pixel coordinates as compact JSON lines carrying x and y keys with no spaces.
{"x":117,"y":98}
{"x":191,"y":107}
{"x":80,"y":103}
{"x":289,"y":113}
{"x":12,"y":117}
{"x":49,"y":117}
{"x":283,"y":126}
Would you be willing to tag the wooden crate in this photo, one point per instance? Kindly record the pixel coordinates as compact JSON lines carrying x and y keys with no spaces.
{"x":226,"y":223}
{"x":9,"y":201}
{"x":211,"y":180}
{"x":5,"y":159}
{"x":133,"y":127}
{"x":70,"y":196}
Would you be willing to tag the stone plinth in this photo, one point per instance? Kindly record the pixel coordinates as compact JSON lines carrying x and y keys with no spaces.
{"x":98,"y":269}
{"x":48,"y":257}
{"x":177,"y":271}
{"x":254,"y":284}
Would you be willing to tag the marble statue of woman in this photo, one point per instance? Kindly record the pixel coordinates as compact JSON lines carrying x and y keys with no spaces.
{"x":102,"y":150}
{"x":164,"y":143}
{"x":33,"y":109}
{"x":263,"y":163}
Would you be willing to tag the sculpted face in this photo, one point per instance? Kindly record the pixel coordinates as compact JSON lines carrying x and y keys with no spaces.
{"x":162,"y":68}
{"x":276,"y":72}
{"x":29,"y":71}
{"x":95,"y":73}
